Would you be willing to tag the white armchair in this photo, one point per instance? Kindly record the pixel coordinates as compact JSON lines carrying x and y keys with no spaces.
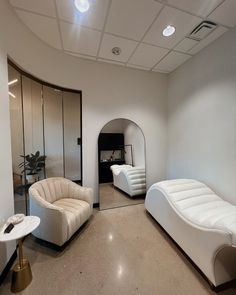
{"x":62,"y":206}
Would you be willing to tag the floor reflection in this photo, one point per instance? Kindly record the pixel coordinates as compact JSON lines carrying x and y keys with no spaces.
{"x":19,"y":203}
{"x":111,"y":197}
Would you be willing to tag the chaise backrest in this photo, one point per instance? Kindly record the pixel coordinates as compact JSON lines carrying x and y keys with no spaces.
{"x":52,"y":189}
{"x":198,"y":204}
{"x":116,"y":169}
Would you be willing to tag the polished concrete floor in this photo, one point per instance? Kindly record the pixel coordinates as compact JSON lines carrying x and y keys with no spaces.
{"x":120,"y":251}
{"x":111,"y":197}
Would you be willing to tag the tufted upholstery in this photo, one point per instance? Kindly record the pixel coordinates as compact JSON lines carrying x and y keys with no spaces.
{"x":203,"y":224}
{"x":131,"y":180}
{"x":63,"y":207}
{"x":200,"y":205}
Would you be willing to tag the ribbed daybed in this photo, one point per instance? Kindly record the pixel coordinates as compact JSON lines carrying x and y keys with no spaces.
{"x":131,"y":180}
{"x":203,"y":224}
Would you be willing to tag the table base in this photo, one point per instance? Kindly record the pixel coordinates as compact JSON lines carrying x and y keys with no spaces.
{"x":21,"y":276}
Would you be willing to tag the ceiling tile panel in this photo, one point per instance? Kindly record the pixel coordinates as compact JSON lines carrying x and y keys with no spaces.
{"x":160,"y":71}
{"x":79,"y":39}
{"x":210,"y":38}
{"x":147,"y":55}
{"x":111,"y":61}
{"x":138,"y":67}
{"x":44,"y":27}
{"x":183,"y":22}
{"x":172,"y":61}
{"x":199,"y":7}
{"x":131,"y":18}
{"x":81,"y":55}
{"x":186,"y":44}
{"x":45,"y":7}
{"x":109,"y":41}
{"x":94,"y":18}
{"x":225,"y":14}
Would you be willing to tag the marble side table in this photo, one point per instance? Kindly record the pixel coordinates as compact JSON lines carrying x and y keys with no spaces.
{"x":22,"y":275}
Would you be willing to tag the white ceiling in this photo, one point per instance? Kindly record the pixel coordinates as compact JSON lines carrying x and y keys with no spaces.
{"x":133,"y":25}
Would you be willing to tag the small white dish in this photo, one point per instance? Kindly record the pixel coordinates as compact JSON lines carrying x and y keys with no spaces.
{"x":15,"y":219}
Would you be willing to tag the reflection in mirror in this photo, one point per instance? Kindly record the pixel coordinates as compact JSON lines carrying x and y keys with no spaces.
{"x":45,"y":133}
{"x":72,"y":135}
{"x":17,"y":142}
{"x":121,"y":160}
{"x":53,"y":130}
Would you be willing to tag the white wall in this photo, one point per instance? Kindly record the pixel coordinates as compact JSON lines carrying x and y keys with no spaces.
{"x":115,"y":126}
{"x":134,"y":136}
{"x":6,"y":185}
{"x":109,"y":92}
{"x":202,"y":118}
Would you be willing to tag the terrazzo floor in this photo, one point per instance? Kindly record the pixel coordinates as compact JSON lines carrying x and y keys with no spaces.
{"x":120,"y":251}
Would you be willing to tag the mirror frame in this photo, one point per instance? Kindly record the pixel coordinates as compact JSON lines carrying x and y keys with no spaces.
{"x":97,"y":205}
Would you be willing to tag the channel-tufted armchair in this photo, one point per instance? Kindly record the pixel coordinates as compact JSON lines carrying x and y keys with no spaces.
{"x":62,"y":205}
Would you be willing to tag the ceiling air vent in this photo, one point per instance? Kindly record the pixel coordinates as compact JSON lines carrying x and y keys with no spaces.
{"x":202,"y":30}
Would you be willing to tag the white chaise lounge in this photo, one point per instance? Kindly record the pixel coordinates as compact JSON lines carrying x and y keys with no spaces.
{"x":201,"y":223}
{"x":129,"y":179}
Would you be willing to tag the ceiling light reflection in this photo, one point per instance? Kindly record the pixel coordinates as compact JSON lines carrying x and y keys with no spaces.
{"x":12,"y":82}
{"x":11,"y":94}
{"x":120,"y":271}
{"x":82,"y":5}
{"x":110,"y":237}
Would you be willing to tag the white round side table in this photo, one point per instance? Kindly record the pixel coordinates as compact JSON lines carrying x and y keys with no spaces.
{"x":22,"y":275}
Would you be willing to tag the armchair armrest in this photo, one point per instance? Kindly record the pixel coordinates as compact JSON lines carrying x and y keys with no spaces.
{"x":53,"y":225}
{"x":82,"y":193}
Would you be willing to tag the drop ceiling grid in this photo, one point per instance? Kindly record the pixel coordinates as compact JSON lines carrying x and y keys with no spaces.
{"x":94,"y":18}
{"x":103,"y":30}
{"x":183,"y":4}
{"x":40,"y":7}
{"x":58,"y":24}
{"x":42,"y":26}
{"x":131,"y":18}
{"x":125,"y":37}
{"x":145,"y":33}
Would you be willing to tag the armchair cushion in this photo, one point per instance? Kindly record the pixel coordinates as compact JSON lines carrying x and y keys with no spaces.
{"x":76,"y":211}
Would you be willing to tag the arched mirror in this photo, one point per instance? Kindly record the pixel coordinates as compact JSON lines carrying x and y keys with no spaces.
{"x":121,"y":161}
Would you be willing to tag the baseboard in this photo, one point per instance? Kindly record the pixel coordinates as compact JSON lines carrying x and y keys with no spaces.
{"x":95,"y":205}
{"x":8,"y":267}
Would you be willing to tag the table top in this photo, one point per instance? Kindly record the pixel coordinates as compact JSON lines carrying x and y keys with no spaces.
{"x":29,"y":224}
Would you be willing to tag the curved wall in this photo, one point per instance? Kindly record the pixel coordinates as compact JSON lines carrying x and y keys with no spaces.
{"x":108,"y":91}
{"x":6,"y":186}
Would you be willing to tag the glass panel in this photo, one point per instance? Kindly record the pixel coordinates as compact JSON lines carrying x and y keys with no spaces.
{"x":72,"y":145}
{"x":45,"y":121}
{"x":53,"y":131}
{"x":109,"y":156}
{"x":33,"y":118}
{"x":17,"y":143}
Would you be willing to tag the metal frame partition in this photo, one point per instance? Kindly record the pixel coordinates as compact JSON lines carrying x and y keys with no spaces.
{"x":63,"y":91}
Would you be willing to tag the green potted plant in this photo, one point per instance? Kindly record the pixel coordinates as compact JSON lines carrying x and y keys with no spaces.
{"x":32,"y":165}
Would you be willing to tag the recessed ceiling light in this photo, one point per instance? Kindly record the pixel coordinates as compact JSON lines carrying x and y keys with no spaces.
{"x":116,"y":50}
{"x":12,"y":82}
{"x":82,"y":5}
{"x":168,"y":31}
